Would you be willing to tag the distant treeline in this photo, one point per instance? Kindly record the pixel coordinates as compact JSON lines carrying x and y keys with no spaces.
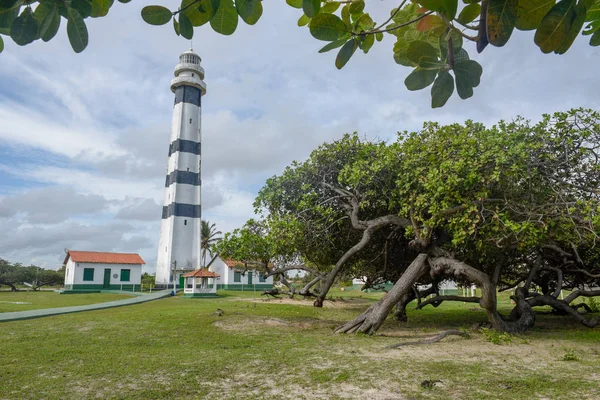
{"x":16,"y":274}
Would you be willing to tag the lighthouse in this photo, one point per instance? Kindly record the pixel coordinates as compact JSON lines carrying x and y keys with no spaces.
{"x":179,"y":244}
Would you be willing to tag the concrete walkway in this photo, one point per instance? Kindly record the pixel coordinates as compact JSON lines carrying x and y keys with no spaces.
{"x":45,"y":312}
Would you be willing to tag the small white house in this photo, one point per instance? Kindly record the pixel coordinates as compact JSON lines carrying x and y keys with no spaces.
{"x":94,"y":271}
{"x":233,"y":277}
{"x":200,"y":283}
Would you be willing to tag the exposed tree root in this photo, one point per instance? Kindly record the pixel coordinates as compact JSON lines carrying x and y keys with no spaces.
{"x":437,"y":300}
{"x":370,"y":320}
{"x":431,"y":340}
{"x":563,"y":307}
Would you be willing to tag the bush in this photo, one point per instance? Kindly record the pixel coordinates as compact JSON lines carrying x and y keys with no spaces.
{"x":492,"y":335}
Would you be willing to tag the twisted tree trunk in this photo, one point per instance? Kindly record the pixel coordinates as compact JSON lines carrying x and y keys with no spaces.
{"x":372,"y":319}
{"x":525,"y":317}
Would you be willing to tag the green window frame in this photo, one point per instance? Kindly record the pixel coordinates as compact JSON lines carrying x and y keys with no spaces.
{"x":237,"y":276}
{"x":88,"y":274}
{"x":125,"y":275}
{"x":261,"y":278}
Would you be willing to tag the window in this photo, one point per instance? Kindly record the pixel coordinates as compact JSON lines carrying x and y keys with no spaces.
{"x":188,"y":170}
{"x":192,"y":74}
{"x":237,"y":276}
{"x":125,"y":275}
{"x":261,"y":278}
{"x":185,"y":221}
{"x":190,"y":120}
{"x":88,"y":274}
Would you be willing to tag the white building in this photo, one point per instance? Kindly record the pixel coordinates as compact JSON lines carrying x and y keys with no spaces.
{"x":233,"y":277}
{"x":95,"y":271}
{"x":179,"y":244}
{"x":200,"y":283}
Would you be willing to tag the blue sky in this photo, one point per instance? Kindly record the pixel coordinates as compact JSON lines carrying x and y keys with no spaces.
{"x":84,"y":137}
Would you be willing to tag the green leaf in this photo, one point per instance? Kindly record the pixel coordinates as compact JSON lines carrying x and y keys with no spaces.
{"x":531,"y":13}
{"x":52,"y":28}
{"x":447,"y":7}
{"x":420,"y":79}
{"x":442,"y":89}
{"x":580,"y":14}
{"x":367,"y":43}
{"x":460,"y":56}
{"x":156,"y":15}
{"x":468,"y":14}
{"x":7,"y":17}
{"x":1,"y":44}
{"x":594,"y":12}
{"x":199,"y":12}
{"x":83,"y":7}
{"x":304,"y":20}
{"x":334,"y":45}
{"x":249,"y":10}
{"x":327,"y":27}
{"x":363,"y":23}
{"x":345,"y":53}
{"x":501,"y":18}
{"x":311,"y":7}
{"x":44,"y":13}
{"x":330,"y":7}
{"x":418,"y":49}
{"x":430,"y":63}
{"x":555,"y":26}
{"x":379,"y":36}
{"x":100,"y":7}
{"x":595,"y":39}
{"x":346,"y":16}
{"x":24,"y":29}
{"x":124,"y":1}
{"x":450,"y":8}
{"x":176,"y":27}
{"x":468,"y":75}
{"x":185,"y":27}
{"x":357,"y":7}
{"x":226,"y":18}
{"x":457,"y":42}
{"x":294,"y":3}
{"x":76,"y":31}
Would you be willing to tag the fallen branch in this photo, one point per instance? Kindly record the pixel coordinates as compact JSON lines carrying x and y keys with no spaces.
{"x":434,"y":339}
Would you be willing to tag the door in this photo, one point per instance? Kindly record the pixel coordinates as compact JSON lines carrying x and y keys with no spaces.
{"x":181,"y":281}
{"x":106,"y":284}
{"x":249,"y":278}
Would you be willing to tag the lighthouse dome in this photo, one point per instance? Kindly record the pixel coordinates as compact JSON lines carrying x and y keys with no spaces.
{"x":189,"y":72}
{"x":189,"y":57}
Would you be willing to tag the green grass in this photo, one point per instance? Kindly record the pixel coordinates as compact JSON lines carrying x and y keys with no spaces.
{"x":178,"y":348}
{"x":48,"y":299}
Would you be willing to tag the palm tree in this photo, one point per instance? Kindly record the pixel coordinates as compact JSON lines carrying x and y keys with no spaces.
{"x":209,"y":233}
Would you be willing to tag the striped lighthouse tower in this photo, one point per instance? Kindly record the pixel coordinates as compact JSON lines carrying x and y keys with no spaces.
{"x":179,"y":245}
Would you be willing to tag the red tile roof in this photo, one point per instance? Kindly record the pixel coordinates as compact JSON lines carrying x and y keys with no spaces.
{"x":251,"y":264}
{"x":233,"y":263}
{"x":201,"y":273}
{"x":104,"y":258}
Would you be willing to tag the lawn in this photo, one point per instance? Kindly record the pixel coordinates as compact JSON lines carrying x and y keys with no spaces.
{"x":23,"y":300}
{"x":182,"y":349}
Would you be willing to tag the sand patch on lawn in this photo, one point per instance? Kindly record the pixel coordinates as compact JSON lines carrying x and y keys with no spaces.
{"x":254,"y":323}
{"x":340,"y":303}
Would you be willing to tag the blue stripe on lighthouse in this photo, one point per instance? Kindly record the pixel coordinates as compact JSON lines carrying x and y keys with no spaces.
{"x":188,"y":94}
{"x":184,"y":146}
{"x":182,"y":210}
{"x":184,"y":177}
